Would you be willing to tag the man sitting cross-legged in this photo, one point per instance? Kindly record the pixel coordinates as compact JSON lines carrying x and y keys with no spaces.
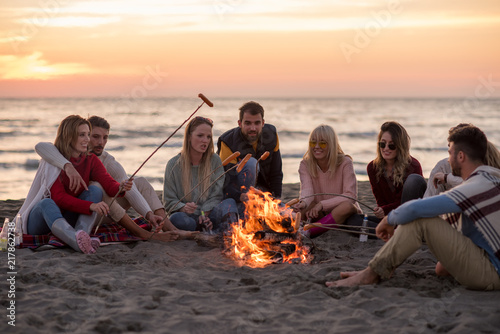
{"x":471,"y":256}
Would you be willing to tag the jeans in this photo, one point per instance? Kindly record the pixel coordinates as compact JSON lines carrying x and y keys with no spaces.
{"x":46,"y":212}
{"x":221,"y":216}
{"x":413,"y":188}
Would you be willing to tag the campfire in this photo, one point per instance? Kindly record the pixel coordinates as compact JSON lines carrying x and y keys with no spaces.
{"x":267,"y":234}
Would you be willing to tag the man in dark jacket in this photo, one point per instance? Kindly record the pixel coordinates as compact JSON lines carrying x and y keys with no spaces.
{"x":255,"y":137}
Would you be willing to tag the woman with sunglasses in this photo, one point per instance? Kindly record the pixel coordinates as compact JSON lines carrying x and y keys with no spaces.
{"x":395,"y":176}
{"x":326,"y":169}
{"x":188,"y":191}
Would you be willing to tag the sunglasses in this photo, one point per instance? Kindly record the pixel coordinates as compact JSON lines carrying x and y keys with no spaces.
{"x":322,"y":144}
{"x":391,"y":146}
{"x":208,"y":120}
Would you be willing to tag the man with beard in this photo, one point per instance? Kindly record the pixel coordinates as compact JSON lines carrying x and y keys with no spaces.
{"x":255,"y":137}
{"x":472,"y":255}
{"x":142,"y":197}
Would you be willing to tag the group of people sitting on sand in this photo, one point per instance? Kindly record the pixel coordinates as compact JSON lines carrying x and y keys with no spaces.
{"x":456,"y":212}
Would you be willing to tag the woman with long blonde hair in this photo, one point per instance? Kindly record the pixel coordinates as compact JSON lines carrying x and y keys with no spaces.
{"x":196,"y":205}
{"x":325,"y":168}
{"x":395,"y":176}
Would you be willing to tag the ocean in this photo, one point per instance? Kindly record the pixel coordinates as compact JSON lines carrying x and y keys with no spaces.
{"x":139,"y":126}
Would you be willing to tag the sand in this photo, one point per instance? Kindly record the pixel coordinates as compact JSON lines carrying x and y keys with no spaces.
{"x":181,"y":287}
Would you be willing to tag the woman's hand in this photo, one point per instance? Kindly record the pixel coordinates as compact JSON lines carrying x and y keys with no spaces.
{"x":101,"y":208}
{"x":301,"y":205}
{"x":127,"y":185}
{"x":314,"y":212}
{"x":75,"y":179}
{"x":189,"y":208}
{"x":379,"y":212}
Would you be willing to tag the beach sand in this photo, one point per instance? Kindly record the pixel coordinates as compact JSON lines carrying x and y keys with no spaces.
{"x":181,"y":287}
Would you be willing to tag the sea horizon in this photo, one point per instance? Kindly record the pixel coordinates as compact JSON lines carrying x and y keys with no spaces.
{"x":138,"y":126}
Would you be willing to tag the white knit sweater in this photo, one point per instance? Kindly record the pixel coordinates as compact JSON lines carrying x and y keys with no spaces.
{"x":52,"y":155}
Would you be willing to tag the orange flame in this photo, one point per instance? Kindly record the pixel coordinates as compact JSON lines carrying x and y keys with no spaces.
{"x":267,"y":234}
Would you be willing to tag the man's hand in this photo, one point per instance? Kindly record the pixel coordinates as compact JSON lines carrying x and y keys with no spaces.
{"x":205,"y":223}
{"x":189,"y":208}
{"x":156,"y":221}
{"x":439,"y":178}
{"x":75,"y":179}
{"x":243,"y":197}
{"x":101,"y":208}
{"x":384,"y":231}
{"x":127,"y":185}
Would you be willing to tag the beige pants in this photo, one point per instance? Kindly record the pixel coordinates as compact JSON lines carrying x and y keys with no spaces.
{"x":465,"y":261}
{"x":120,"y":206}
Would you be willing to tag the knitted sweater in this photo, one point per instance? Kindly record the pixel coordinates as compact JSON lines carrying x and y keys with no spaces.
{"x":51,"y":154}
{"x":173,"y":190}
{"x":51,"y":182}
{"x":343,"y":182}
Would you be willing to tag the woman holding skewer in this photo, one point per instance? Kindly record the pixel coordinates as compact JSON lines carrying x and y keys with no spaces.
{"x":186,"y":184}
{"x":326,"y":169}
{"x":395,"y":176}
{"x":51,"y":205}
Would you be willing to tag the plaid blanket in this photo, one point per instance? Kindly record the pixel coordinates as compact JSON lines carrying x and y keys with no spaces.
{"x":106,"y":233}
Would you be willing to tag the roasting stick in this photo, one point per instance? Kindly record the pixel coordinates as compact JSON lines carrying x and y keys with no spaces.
{"x":337,"y":229}
{"x":224,"y":163}
{"x":310,"y":225}
{"x":205,"y":100}
{"x":263,"y":157}
{"x":296,"y":200}
{"x":238,"y":167}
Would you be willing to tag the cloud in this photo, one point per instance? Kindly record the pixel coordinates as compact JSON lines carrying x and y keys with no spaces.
{"x":33,"y":66}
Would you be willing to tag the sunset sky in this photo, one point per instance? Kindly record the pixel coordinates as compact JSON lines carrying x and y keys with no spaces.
{"x":281,"y":48}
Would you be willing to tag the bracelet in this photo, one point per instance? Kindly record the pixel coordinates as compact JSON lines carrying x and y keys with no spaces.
{"x":152,"y":233}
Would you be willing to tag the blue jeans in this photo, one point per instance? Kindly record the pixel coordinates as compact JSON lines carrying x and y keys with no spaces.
{"x":46,"y":212}
{"x":221,"y":216}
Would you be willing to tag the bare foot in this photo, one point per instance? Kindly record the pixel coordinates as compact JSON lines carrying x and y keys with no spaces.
{"x":165,"y":236}
{"x":441,"y":270}
{"x":186,"y":234}
{"x":364,"y":277}
{"x":347,"y":274}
